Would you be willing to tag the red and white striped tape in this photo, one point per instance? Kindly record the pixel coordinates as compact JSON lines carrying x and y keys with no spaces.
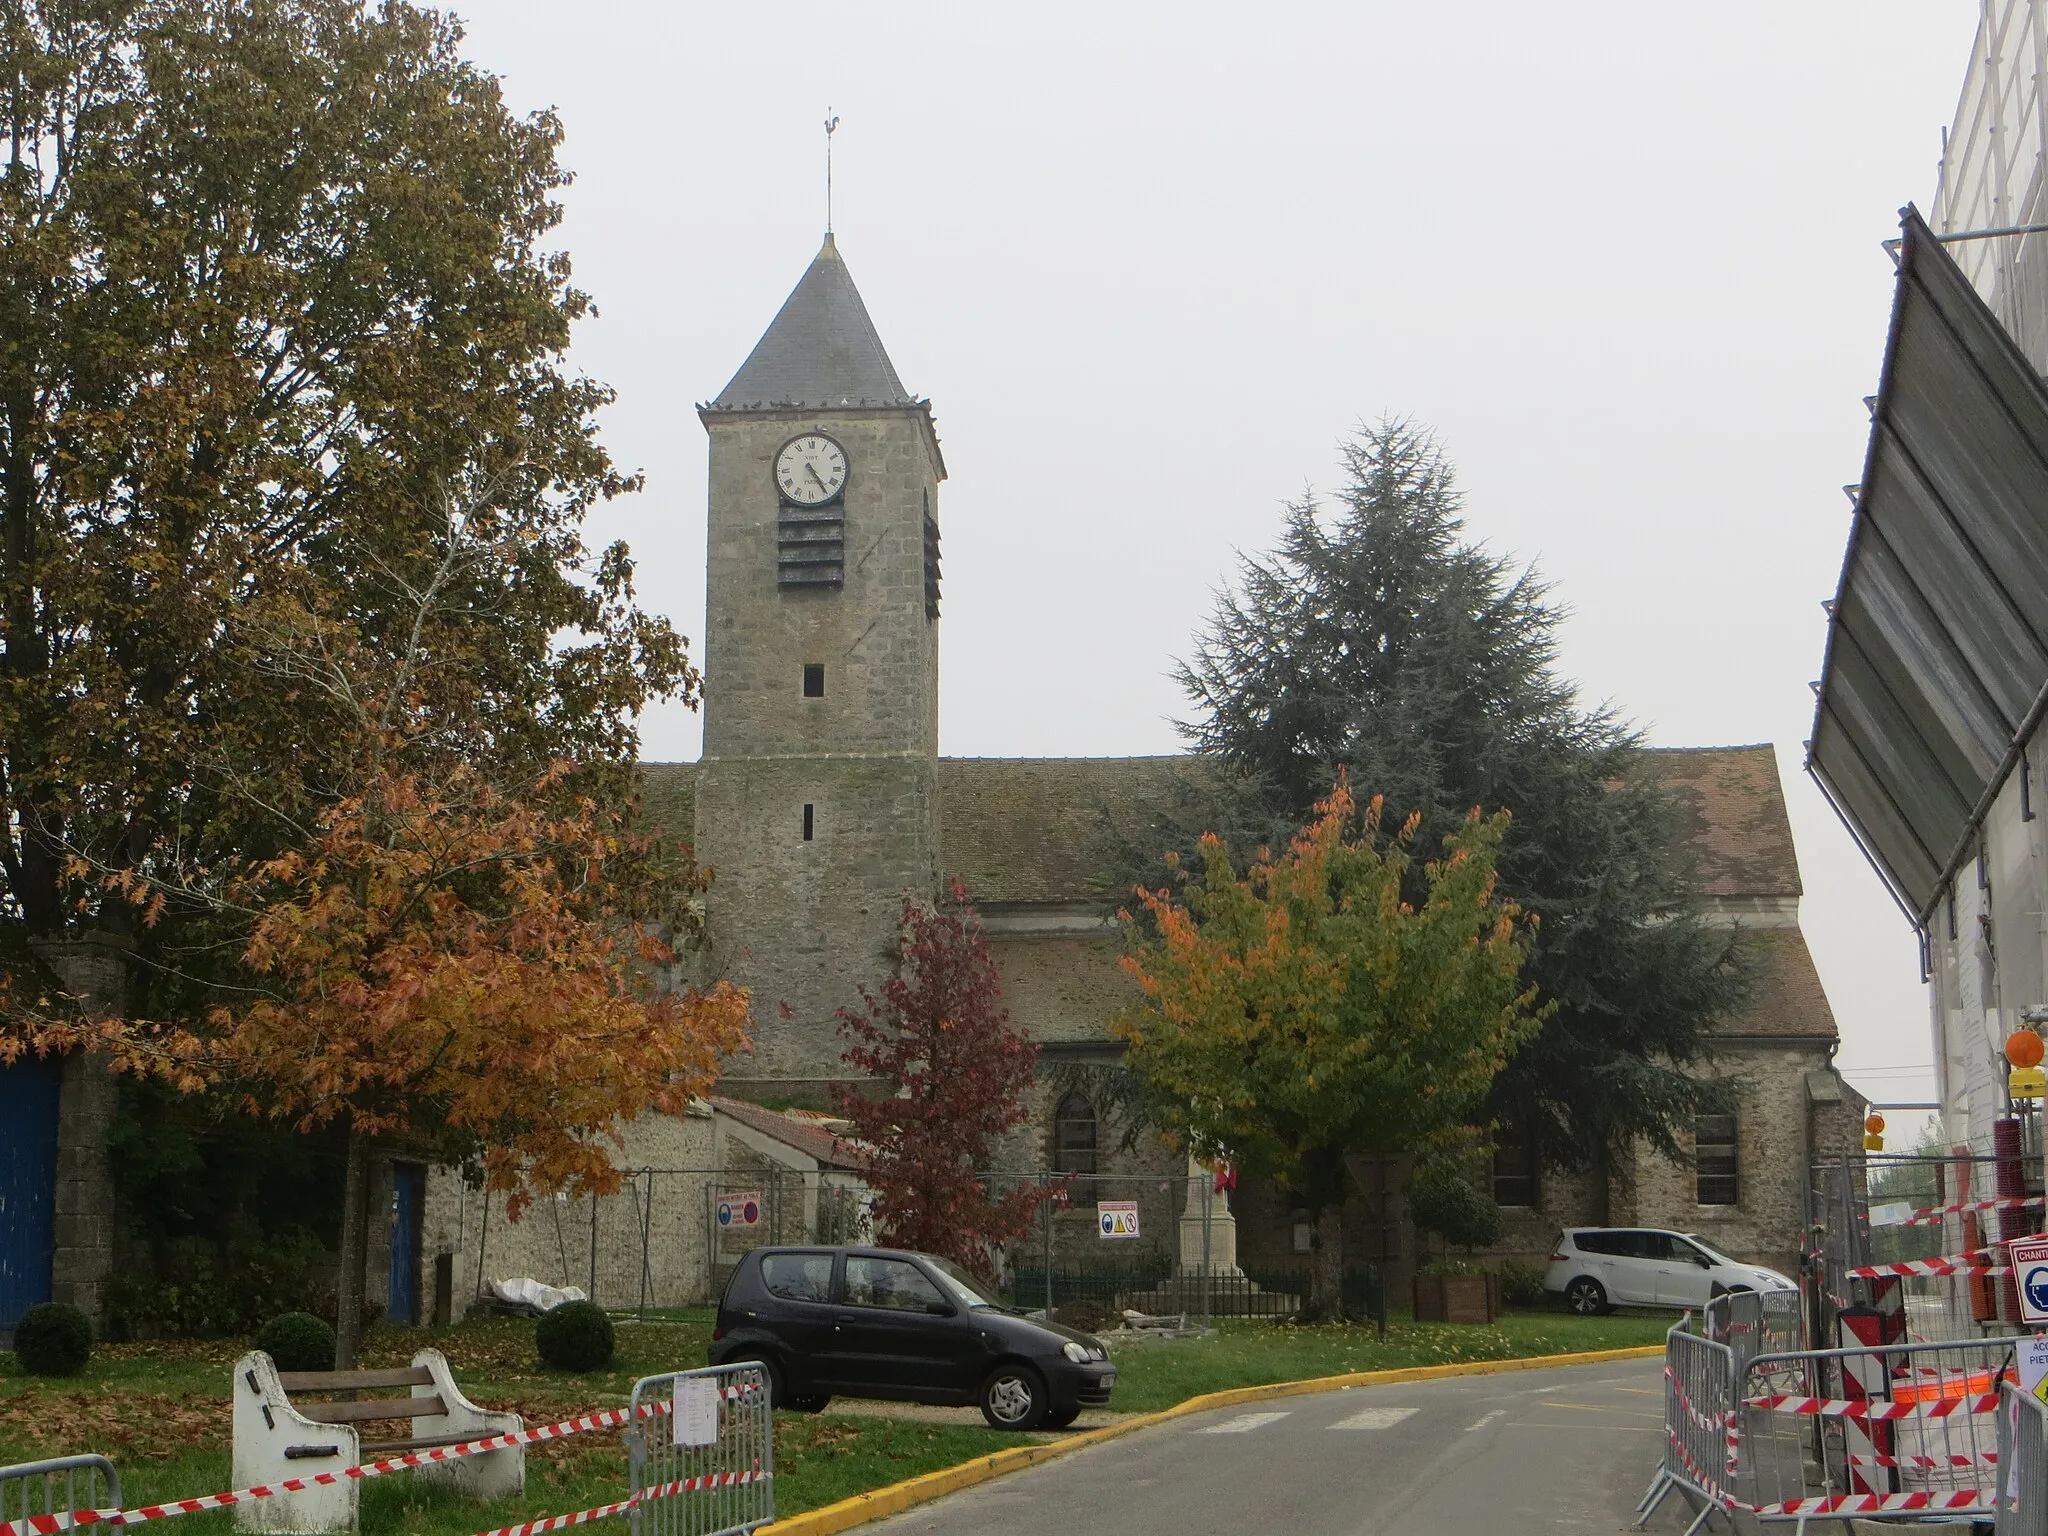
{"x":611,"y":1511}
{"x":1976,"y":1262}
{"x":1877,"y":1503}
{"x":1928,"y":1215}
{"x":563,"y":1522}
{"x":1700,"y":1475}
{"x":1700,"y":1420}
{"x":1987,"y":1459}
{"x":610,"y":1418}
{"x":1873,"y":1408}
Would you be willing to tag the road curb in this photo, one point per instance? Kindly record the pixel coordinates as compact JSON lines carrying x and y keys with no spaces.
{"x":877,"y":1503}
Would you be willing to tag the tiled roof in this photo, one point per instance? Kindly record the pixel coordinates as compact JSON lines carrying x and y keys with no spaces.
{"x":1031,"y":829}
{"x":808,"y":1138}
{"x":1786,"y":997}
{"x":821,"y":349}
{"x":1734,"y":808}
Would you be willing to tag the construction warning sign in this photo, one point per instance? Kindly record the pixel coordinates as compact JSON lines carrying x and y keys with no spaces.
{"x":1116,"y":1218}
{"x":741,"y":1210}
{"x":2029,"y":1259}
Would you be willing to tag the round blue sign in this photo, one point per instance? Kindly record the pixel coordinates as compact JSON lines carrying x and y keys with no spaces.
{"x":2036,"y":1284}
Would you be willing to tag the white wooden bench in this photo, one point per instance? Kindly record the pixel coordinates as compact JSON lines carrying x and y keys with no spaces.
{"x":282,"y":1432}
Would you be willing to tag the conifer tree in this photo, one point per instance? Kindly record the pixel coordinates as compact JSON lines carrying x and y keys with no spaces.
{"x":1377,"y":640}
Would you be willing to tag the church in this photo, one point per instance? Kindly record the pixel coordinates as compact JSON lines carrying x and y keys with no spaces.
{"x":821,"y":799}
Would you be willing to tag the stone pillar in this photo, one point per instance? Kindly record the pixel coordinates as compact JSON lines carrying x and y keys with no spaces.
{"x":94,"y":970}
{"x":1201,"y":1185}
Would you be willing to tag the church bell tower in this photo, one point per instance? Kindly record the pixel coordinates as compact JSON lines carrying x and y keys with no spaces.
{"x":817,"y":793}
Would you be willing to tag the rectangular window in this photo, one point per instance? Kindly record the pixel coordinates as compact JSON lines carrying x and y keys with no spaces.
{"x":810,"y":823}
{"x":814,"y":680}
{"x":1514,"y":1168}
{"x":1074,"y":1145}
{"x":1714,"y":1159}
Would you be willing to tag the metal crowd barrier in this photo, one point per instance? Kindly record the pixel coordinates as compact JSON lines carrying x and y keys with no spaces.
{"x":1753,"y":1323}
{"x":2023,"y":1464}
{"x":1699,"y":1390}
{"x":1900,"y":1430}
{"x":18,"y":1512}
{"x":1897,"y":1431}
{"x":707,"y":1467}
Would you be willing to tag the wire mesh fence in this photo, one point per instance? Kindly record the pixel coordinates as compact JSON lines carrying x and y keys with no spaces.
{"x":670,"y":1238}
{"x":1923,"y":1235}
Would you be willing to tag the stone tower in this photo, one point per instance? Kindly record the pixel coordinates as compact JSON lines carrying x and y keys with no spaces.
{"x":816,"y":798}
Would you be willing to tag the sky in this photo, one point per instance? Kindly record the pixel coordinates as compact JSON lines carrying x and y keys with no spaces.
{"x":1151,"y":262}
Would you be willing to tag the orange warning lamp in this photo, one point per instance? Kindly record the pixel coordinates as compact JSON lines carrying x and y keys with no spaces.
{"x":2023,"y":1048}
{"x":1873,"y":1132}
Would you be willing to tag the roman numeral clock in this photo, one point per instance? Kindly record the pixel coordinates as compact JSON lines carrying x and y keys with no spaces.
{"x":810,"y":536}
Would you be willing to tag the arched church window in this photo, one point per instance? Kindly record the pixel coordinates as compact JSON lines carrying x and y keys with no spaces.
{"x":1074,"y":1131}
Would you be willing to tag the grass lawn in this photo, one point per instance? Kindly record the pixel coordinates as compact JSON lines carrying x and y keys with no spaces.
{"x":159,"y":1410}
{"x":1151,"y":1376}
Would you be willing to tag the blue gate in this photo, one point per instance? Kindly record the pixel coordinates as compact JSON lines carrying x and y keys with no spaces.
{"x":408,"y":1206}
{"x":28,"y":1182}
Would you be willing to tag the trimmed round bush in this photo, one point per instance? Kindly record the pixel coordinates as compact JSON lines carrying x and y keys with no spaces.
{"x":1456,"y":1210}
{"x":298,"y":1341}
{"x":576,"y":1336}
{"x":53,"y":1339}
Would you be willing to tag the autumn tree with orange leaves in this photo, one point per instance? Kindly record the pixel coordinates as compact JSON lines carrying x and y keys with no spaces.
{"x":451,"y":956}
{"x":460,"y":969}
{"x":1301,"y":1010}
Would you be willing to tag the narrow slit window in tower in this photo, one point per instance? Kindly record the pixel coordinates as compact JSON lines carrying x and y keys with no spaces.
{"x":814,"y":680}
{"x":810,"y":822}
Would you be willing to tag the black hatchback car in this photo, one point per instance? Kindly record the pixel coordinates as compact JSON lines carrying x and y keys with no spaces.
{"x":878,"y":1322}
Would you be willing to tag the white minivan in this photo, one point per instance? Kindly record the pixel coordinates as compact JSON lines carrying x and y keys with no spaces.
{"x":1597,"y":1269}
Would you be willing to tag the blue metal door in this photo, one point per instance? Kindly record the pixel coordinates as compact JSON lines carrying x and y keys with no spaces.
{"x":408,"y":1197}
{"x":28,"y":1183}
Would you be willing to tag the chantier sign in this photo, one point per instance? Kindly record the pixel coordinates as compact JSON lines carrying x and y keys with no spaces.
{"x":2029,"y":1259}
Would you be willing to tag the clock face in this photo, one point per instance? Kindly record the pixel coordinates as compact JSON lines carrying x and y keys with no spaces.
{"x":810,"y":469}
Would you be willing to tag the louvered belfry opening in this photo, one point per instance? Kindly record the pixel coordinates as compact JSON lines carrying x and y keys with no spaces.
{"x":931,"y":562}
{"x":810,"y":546}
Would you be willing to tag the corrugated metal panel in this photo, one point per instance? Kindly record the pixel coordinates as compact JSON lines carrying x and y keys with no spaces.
{"x":1937,"y":653}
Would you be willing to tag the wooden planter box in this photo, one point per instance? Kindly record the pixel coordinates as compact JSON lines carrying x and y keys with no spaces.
{"x":1457,"y":1298}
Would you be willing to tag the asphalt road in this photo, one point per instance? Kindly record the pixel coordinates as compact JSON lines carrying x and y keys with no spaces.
{"x":1569,"y":1450}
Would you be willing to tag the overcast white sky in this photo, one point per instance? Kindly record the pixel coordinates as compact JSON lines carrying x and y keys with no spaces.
{"x":1151,"y":261}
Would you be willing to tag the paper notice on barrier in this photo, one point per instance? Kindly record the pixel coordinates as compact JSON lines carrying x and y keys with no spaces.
{"x":2030,"y":1360}
{"x":696,"y":1412}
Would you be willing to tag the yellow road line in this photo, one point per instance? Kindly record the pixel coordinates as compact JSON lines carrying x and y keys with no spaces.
{"x":897,"y":1497}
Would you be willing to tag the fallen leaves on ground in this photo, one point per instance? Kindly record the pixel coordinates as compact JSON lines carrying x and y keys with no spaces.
{"x":151,"y":1426}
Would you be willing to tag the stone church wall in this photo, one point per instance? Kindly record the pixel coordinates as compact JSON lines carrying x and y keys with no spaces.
{"x":804,"y":923}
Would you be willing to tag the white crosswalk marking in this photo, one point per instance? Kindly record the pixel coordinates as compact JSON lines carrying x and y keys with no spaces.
{"x":1242,"y":1424}
{"x":1374,"y":1418}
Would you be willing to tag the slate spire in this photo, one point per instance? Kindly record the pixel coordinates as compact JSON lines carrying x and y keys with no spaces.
{"x":820,"y":350}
